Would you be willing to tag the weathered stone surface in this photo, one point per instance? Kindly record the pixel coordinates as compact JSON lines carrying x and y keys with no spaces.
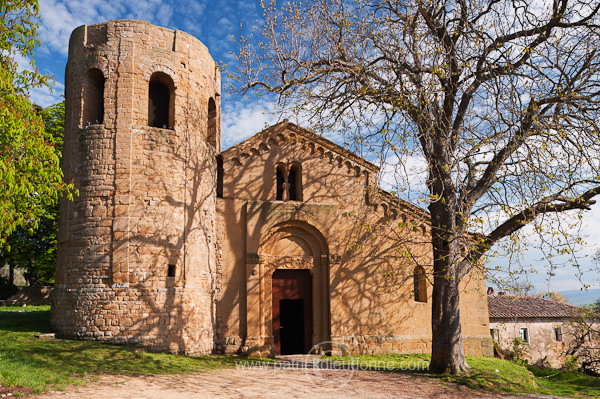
{"x":141,"y":189}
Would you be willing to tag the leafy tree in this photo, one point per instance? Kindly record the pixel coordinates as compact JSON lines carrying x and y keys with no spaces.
{"x":34,"y":249}
{"x":29,"y":165}
{"x":499,"y":98}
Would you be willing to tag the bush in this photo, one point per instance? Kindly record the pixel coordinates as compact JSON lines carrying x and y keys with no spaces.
{"x":572,"y":364}
{"x":519,"y":352}
{"x":7,"y":290}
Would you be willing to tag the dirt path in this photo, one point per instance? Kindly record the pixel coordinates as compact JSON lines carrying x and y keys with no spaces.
{"x":274,"y":383}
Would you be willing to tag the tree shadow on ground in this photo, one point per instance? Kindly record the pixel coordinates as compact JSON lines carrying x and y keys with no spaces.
{"x":19,"y":321}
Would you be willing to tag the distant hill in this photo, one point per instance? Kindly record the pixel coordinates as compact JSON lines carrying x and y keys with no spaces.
{"x":580,"y":298}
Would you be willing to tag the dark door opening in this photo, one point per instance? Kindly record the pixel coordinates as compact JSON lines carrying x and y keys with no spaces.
{"x":291,"y":327}
{"x":292,"y":311}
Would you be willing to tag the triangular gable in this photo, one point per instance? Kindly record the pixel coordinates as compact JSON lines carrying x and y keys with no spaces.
{"x":289,"y":132}
{"x":316,"y":145}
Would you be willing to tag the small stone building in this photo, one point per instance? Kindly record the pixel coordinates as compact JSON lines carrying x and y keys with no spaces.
{"x":273,"y":246}
{"x":541,"y":324}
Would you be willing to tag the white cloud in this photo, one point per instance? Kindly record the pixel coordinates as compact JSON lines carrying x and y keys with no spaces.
{"x":534,"y":255}
{"x":60,"y":17}
{"x":45,"y":96}
{"x":591,"y":221}
{"x":56,"y":26}
{"x":240,"y":121}
{"x":226,"y":24}
{"x":405,"y":175}
{"x":190,"y":19}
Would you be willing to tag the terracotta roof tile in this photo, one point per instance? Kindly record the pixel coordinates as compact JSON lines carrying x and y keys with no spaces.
{"x":527,"y":306}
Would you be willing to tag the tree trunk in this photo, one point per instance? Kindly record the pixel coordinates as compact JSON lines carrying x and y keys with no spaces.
{"x":447,"y":352}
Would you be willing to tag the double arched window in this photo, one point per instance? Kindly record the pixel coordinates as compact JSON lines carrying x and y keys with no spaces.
{"x":93,"y":97}
{"x":161,"y":101}
{"x":288,"y":181}
{"x":420,"y":284}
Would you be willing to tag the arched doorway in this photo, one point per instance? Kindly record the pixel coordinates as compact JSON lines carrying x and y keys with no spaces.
{"x":288,"y":289}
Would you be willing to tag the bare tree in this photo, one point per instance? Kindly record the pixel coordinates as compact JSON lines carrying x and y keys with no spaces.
{"x":582,"y":340}
{"x":521,"y":288}
{"x":499,"y":97}
{"x":554,"y":296}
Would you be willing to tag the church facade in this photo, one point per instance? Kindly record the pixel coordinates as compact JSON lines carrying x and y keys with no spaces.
{"x":277,"y":245}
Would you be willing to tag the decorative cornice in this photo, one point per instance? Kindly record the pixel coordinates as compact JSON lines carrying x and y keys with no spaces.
{"x":288,"y":262}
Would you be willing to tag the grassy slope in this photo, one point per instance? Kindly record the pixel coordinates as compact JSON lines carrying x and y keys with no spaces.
{"x":567,"y":384}
{"x":489,"y":373}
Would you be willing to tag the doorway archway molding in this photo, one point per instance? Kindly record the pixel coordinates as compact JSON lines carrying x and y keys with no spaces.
{"x":311,"y":253}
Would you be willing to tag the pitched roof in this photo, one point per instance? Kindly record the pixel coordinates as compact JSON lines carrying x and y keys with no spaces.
{"x":503,"y":306}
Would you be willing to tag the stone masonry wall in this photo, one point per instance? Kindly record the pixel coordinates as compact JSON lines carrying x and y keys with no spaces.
{"x":362,"y":269}
{"x":543,"y":348}
{"x":137,"y":253}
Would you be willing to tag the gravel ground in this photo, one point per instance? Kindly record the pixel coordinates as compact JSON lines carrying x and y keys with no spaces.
{"x":263,"y":382}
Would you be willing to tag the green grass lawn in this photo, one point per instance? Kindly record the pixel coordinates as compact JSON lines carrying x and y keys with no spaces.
{"x":41,"y":364}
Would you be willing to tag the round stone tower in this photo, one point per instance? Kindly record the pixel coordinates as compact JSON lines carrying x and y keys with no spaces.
{"x":137,"y":250}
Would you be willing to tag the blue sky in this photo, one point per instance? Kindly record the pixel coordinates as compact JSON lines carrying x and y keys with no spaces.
{"x":214,"y":23}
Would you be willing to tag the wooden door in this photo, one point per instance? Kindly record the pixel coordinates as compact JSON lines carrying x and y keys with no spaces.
{"x":292,"y":311}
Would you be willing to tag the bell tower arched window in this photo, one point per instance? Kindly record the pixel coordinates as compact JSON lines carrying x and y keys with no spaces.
{"x":420,"y":284}
{"x":295,"y":182}
{"x":93,"y":97}
{"x":292,"y":185}
{"x":161,"y":101}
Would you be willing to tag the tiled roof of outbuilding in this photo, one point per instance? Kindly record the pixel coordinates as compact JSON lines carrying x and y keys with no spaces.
{"x":502,"y":306}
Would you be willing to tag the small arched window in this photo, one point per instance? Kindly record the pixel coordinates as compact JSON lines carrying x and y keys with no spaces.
{"x":280,"y":180}
{"x":219,"y":176}
{"x":211,"y":135}
{"x":295,"y":181}
{"x":161,"y":101}
{"x":420,"y":284}
{"x":93,"y":97}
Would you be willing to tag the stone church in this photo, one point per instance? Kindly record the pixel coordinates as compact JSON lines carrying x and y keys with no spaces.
{"x":273,"y":246}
